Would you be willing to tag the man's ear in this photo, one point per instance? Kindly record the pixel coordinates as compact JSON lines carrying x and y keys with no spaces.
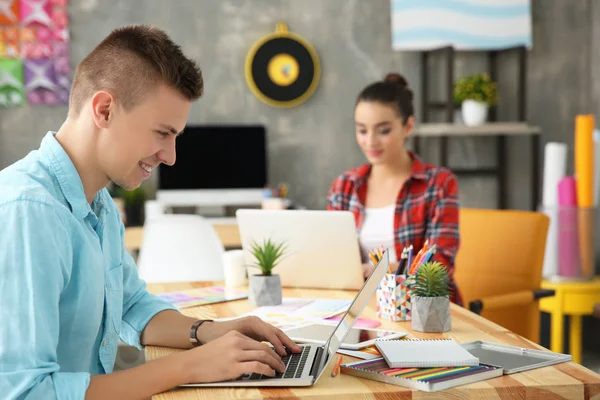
{"x":103,"y":107}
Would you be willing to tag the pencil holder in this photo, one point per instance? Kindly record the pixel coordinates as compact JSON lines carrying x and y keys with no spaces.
{"x":393,"y":298}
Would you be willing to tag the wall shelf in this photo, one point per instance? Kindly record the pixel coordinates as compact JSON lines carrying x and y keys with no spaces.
{"x":490,"y":129}
{"x":498,"y":131}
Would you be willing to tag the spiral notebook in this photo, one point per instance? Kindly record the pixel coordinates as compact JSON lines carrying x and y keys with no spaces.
{"x":425,"y":353}
{"x":425,"y":379}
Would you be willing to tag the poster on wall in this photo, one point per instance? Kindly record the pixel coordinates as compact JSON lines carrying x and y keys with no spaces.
{"x":34,"y":53}
{"x":464,"y":24}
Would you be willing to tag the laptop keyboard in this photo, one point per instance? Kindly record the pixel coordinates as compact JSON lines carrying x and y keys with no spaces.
{"x":294,"y":366}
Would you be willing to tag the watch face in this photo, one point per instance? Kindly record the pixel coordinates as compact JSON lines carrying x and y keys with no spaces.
{"x":282,"y":70}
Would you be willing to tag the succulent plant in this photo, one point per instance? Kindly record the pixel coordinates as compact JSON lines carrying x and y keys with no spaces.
{"x":430,"y":280}
{"x":267,"y":255}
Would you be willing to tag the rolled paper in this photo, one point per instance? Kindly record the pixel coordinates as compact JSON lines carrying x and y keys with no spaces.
{"x":569,"y":263}
{"x":567,"y":191}
{"x":555,"y":168}
{"x":596,"y":167}
{"x":584,"y":159}
{"x":584,"y":172}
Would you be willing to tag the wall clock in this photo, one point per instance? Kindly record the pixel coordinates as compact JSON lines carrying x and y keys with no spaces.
{"x":282,"y":69}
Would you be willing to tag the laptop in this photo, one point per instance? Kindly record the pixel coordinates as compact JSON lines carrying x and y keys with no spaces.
{"x":305,"y":368}
{"x":323,"y":251}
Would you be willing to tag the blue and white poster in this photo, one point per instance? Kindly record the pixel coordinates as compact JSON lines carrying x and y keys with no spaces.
{"x":464,"y":24}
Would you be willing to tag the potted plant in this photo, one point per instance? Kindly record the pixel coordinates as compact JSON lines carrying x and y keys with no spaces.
{"x":430,"y":298}
{"x":133,"y":203}
{"x":475,"y":93}
{"x":265,"y":288}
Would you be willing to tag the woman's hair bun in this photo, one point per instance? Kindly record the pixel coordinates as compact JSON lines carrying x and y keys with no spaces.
{"x":396,"y":78}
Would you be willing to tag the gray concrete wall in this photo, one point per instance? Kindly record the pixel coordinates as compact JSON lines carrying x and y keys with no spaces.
{"x":311,"y":144}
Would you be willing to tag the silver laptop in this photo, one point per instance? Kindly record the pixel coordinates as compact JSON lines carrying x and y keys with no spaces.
{"x":306,"y":367}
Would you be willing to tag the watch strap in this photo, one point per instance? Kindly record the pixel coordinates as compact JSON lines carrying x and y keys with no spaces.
{"x":194,"y":330}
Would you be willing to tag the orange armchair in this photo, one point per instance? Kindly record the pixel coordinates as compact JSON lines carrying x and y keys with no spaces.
{"x":499,"y":266}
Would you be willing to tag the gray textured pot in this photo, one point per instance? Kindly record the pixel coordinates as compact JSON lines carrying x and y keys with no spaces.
{"x":265,"y":290}
{"x":431,"y":314}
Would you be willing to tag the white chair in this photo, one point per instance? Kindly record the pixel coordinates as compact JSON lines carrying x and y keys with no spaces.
{"x":180,"y":248}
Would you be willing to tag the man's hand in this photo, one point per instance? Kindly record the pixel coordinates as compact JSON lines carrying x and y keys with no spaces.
{"x":227,"y":357}
{"x":252,"y":327}
{"x":230,"y":356}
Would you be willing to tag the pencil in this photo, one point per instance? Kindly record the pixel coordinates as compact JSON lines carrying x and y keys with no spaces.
{"x":336,"y":368}
{"x":373,"y":258}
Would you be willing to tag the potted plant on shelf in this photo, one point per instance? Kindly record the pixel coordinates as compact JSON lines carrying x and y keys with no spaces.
{"x":265,"y":288}
{"x":430,"y":298}
{"x":475,"y":93}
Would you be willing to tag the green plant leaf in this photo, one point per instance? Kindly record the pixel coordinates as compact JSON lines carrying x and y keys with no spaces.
{"x":430,"y":280}
{"x":475,"y":87}
{"x":267,"y":255}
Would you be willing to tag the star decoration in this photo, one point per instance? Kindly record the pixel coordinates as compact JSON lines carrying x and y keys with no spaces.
{"x":37,"y":12}
{"x":38,"y":75}
{"x":6,"y":10}
{"x":8,"y":78}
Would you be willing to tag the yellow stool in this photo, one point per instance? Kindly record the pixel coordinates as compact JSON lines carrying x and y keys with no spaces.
{"x":574,"y":299}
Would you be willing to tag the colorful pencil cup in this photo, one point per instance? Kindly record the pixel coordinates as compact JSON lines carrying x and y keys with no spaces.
{"x":393,"y":298}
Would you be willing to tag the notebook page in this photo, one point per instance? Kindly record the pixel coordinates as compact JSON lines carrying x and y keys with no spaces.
{"x":424,"y":353}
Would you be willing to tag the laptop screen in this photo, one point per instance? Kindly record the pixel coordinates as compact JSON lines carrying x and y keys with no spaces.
{"x":356,"y":308}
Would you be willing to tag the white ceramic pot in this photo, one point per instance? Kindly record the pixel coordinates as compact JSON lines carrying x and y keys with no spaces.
{"x":474,"y":112}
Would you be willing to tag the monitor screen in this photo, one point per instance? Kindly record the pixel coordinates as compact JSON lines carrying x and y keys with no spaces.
{"x":218,"y":157}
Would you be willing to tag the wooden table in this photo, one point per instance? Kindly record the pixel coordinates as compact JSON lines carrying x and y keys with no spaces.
{"x":228,"y":233}
{"x":567,"y":380}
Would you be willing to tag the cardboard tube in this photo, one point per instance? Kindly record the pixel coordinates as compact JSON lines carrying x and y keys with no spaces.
{"x":555,"y":168}
{"x":569,"y":264}
{"x":584,"y":159}
{"x":584,"y":171}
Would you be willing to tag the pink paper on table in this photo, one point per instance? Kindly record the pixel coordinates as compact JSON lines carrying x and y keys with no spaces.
{"x":359,"y":323}
{"x":568,"y":233}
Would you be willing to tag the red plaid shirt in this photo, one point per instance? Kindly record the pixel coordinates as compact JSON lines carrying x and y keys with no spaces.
{"x":426,"y":209}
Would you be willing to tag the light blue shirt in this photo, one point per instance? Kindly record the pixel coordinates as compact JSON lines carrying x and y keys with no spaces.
{"x":68,"y":288}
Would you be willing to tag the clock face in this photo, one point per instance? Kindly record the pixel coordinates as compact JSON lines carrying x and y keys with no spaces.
{"x":282,"y":70}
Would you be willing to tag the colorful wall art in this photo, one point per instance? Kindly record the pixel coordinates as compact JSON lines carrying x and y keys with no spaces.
{"x":35,"y":67}
{"x":464,"y":24}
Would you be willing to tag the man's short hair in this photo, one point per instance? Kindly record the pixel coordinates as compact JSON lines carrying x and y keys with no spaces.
{"x":130,"y":62}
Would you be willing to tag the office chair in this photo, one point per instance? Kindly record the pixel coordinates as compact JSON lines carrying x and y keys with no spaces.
{"x":499,"y":266}
{"x":180,"y":248}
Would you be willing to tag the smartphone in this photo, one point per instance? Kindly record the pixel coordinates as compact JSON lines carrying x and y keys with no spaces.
{"x":357,"y":338}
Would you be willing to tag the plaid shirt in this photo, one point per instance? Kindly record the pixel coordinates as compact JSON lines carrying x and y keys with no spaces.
{"x":426,"y":209}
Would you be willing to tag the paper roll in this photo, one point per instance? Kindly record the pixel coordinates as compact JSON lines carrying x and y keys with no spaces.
{"x":584,"y":159}
{"x":567,"y":192}
{"x":568,"y":244}
{"x":596,"y":167}
{"x":584,"y":172}
{"x":555,"y":168}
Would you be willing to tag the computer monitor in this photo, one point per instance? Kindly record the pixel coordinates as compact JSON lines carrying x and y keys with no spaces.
{"x":217,"y":165}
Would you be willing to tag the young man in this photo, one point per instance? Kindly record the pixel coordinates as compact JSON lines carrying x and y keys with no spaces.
{"x":68,"y":289}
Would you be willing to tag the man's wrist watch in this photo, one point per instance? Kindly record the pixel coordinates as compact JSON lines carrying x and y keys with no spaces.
{"x":194,"y":330}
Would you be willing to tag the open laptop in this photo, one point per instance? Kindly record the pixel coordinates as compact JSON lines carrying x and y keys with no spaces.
{"x":322,"y":246}
{"x":306,"y":367}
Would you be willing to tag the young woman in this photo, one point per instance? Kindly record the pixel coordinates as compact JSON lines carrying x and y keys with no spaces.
{"x":397,"y":199}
